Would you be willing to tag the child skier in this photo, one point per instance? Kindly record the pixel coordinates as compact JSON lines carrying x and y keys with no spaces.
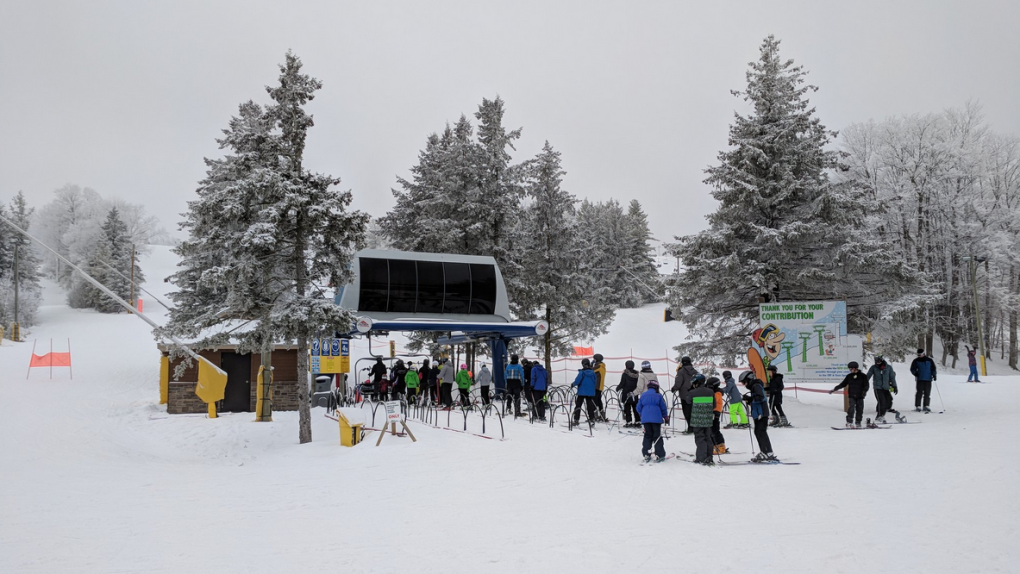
{"x":857,"y":389}
{"x":484,"y":379}
{"x":883,"y":379}
{"x":600,"y":384}
{"x":651,"y":407}
{"x":702,"y":412}
{"x":514,"y":375}
{"x":738,"y":415}
{"x":718,"y":442}
{"x":585,"y":383}
{"x":411,"y":380}
{"x":628,"y":384}
{"x":539,"y":385}
{"x":776,"y":398}
{"x":463,"y":385}
{"x":759,"y":414}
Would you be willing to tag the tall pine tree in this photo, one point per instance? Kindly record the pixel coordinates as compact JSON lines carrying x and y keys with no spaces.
{"x":266,"y":236}
{"x":783,"y":231}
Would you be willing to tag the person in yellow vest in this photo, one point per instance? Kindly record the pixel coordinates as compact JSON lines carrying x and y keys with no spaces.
{"x":600,"y":384}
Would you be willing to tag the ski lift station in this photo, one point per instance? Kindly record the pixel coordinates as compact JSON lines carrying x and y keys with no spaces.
{"x":463,"y":296}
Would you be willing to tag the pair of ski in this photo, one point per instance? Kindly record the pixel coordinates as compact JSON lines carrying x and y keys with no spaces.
{"x":654,"y":461}
{"x":733,"y":463}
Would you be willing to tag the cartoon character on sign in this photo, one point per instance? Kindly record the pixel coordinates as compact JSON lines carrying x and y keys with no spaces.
{"x":769,"y":338}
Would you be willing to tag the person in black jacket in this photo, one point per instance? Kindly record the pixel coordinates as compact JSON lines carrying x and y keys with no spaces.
{"x":378,"y":373}
{"x":857,"y":388}
{"x":626,"y":388}
{"x":399,"y":384}
{"x":776,"y":398}
{"x":923,"y":369}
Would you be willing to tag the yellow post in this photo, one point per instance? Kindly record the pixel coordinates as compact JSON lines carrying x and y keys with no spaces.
{"x":260,"y":397}
{"x":164,"y":379}
{"x":984,"y":371}
{"x":212,"y":410}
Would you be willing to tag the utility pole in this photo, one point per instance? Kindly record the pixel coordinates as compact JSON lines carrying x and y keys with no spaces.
{"x":15,"y":329}
{"x":977,"y":310}
{"x":134,"y":304}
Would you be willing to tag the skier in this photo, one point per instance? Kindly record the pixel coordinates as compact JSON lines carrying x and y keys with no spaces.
{"x":600,"y":384}
{"x":514,"y":375}
{"x":378,"y":374}
{"x":972,"y":362}
{"x":738,"y":415}
{"x":484,"y":380}
{"x":464,"y":385}
{"x":424,"y":387}
{"x":539,"y":384}
{"x":883,"y":380}
{"x":434,"y":380}
{"x":585,"y":383}
{"x":682,"y":386}
{"x":857,"y":389}
{"x":411,"y":381}
{"x":718,"y":442}
{"x":776,"y":398}
{"x":702,"y":407}
{"x":759,"y":414}
{"x":923,"y":369}
{"x":399,"y":374}
{"x":446,"y":378}
{"x":651,"y":407}
{"x":628,"y":384}
{"x":645,"y":376}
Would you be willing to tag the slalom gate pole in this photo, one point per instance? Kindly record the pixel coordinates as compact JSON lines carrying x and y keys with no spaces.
{"x":936,"y":385}
{"x":750,"y":435}
{"x":29,"y":373}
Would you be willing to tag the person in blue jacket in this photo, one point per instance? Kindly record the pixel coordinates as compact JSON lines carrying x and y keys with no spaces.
{"x":651,"y":407}
{"x":585,"y":383}
{"x":514,"y":375}
{"x":923,"y":369}
{"x":539,"y":384}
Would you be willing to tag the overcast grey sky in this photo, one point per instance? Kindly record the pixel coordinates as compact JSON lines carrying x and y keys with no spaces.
{"x":127,"y":97}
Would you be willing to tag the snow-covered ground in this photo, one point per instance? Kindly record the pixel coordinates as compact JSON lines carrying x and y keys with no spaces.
{"x":95,"y":477}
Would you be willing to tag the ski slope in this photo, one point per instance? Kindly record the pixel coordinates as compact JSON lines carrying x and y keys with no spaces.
{"x":95,"y":477}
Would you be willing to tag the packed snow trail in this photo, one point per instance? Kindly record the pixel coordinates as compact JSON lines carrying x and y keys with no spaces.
{"x":97,"y":478}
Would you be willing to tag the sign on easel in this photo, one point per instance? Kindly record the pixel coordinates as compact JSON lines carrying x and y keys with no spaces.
{"x":392,"y":418}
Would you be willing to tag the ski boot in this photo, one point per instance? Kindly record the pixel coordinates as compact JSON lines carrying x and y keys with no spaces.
{"x":917,"y":409}
{"x":660,"y":459}
{"x":783,"y":422}
{"x":900,"y":418}
{"x":869,"y":424}
{"x":709,"y":462}
{"x":926,"y":410}
{"x":648,"y":458}
{"x":771,"y":458}
{"x":759,"y":458}
{"x":880,"y":420}
{"x":849,"y":424}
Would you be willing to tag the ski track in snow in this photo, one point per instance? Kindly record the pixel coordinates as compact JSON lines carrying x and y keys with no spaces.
{"x":97,"y":478}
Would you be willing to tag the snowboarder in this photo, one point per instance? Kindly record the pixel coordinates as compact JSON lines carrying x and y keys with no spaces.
{"x":411,"y":381}
{"x":682,"y":386}
{"x":600,"y":384}
{"x":738,"y":415}
{"x":883,"y":380}
{"x":718,"y":442}
{"x":585,"y":383}
{"x":484,"y":380}
{"x":539,"y":385}
{"x":759,"y":414}
{"x":651,"y":407}
{"x":857,"y":389}
{"x":972,"y":362}
{"x":702,"y":407}
{"x":628,"y":384}
{"x":923,"y":369}
{"x":463,"y":379}
{"x":446,"y":378}
{"x":776,"y":398}
{"x":514,"y":375}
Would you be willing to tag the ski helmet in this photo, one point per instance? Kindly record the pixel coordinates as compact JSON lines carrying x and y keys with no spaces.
{"x":629,"y":365}
{"x":879,"y":360}
{"x":585,"y":363}
{"x":853,"y":365}
{"x":920,"y":352}
{"x":747,"y":377}
{"x":685,"y":361}
{"x":713,"y":382}
{"x":653,"y":385}
{"x":598,"y":357}
{"x":646,"y":365}
{"x":697,"y":380}
{"x":727,"y":375}
{"x":463,"y":366}
{"x":773,"y":368}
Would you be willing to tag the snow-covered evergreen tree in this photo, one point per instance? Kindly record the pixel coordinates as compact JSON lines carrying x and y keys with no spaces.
{"x":783,"y":231}
{"x":556,"y":271}
{"x":267,"y":237}
{"x":29,"y":290}
{"x":642,"y":283}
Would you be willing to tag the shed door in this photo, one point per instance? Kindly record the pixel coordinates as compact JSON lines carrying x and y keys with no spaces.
{"x":237,"y":397}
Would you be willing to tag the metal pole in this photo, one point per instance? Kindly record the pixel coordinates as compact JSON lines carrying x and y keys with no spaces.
{"x":15,"y":335}
{"x":977,"y":316}
{"x":132,"y":298}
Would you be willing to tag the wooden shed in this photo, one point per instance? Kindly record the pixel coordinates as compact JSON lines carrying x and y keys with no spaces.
{"x":242,"y":372}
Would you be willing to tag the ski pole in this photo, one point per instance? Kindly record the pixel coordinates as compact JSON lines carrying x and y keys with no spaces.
{"x":750,"y":435}
{"x":940,"y":396}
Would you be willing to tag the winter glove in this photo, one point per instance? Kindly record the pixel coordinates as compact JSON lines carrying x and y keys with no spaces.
{"x":747,"y":398}
{"x":832,"y":391}
{"x":665,"y":420}
{"x":894,"y":390}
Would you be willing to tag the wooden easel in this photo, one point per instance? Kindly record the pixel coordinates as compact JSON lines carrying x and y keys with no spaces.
{"x":393,"y":431}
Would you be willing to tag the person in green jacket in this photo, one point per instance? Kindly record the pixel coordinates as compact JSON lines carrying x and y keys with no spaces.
{"x":463,"y":380}
{"x":412,"y":380}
